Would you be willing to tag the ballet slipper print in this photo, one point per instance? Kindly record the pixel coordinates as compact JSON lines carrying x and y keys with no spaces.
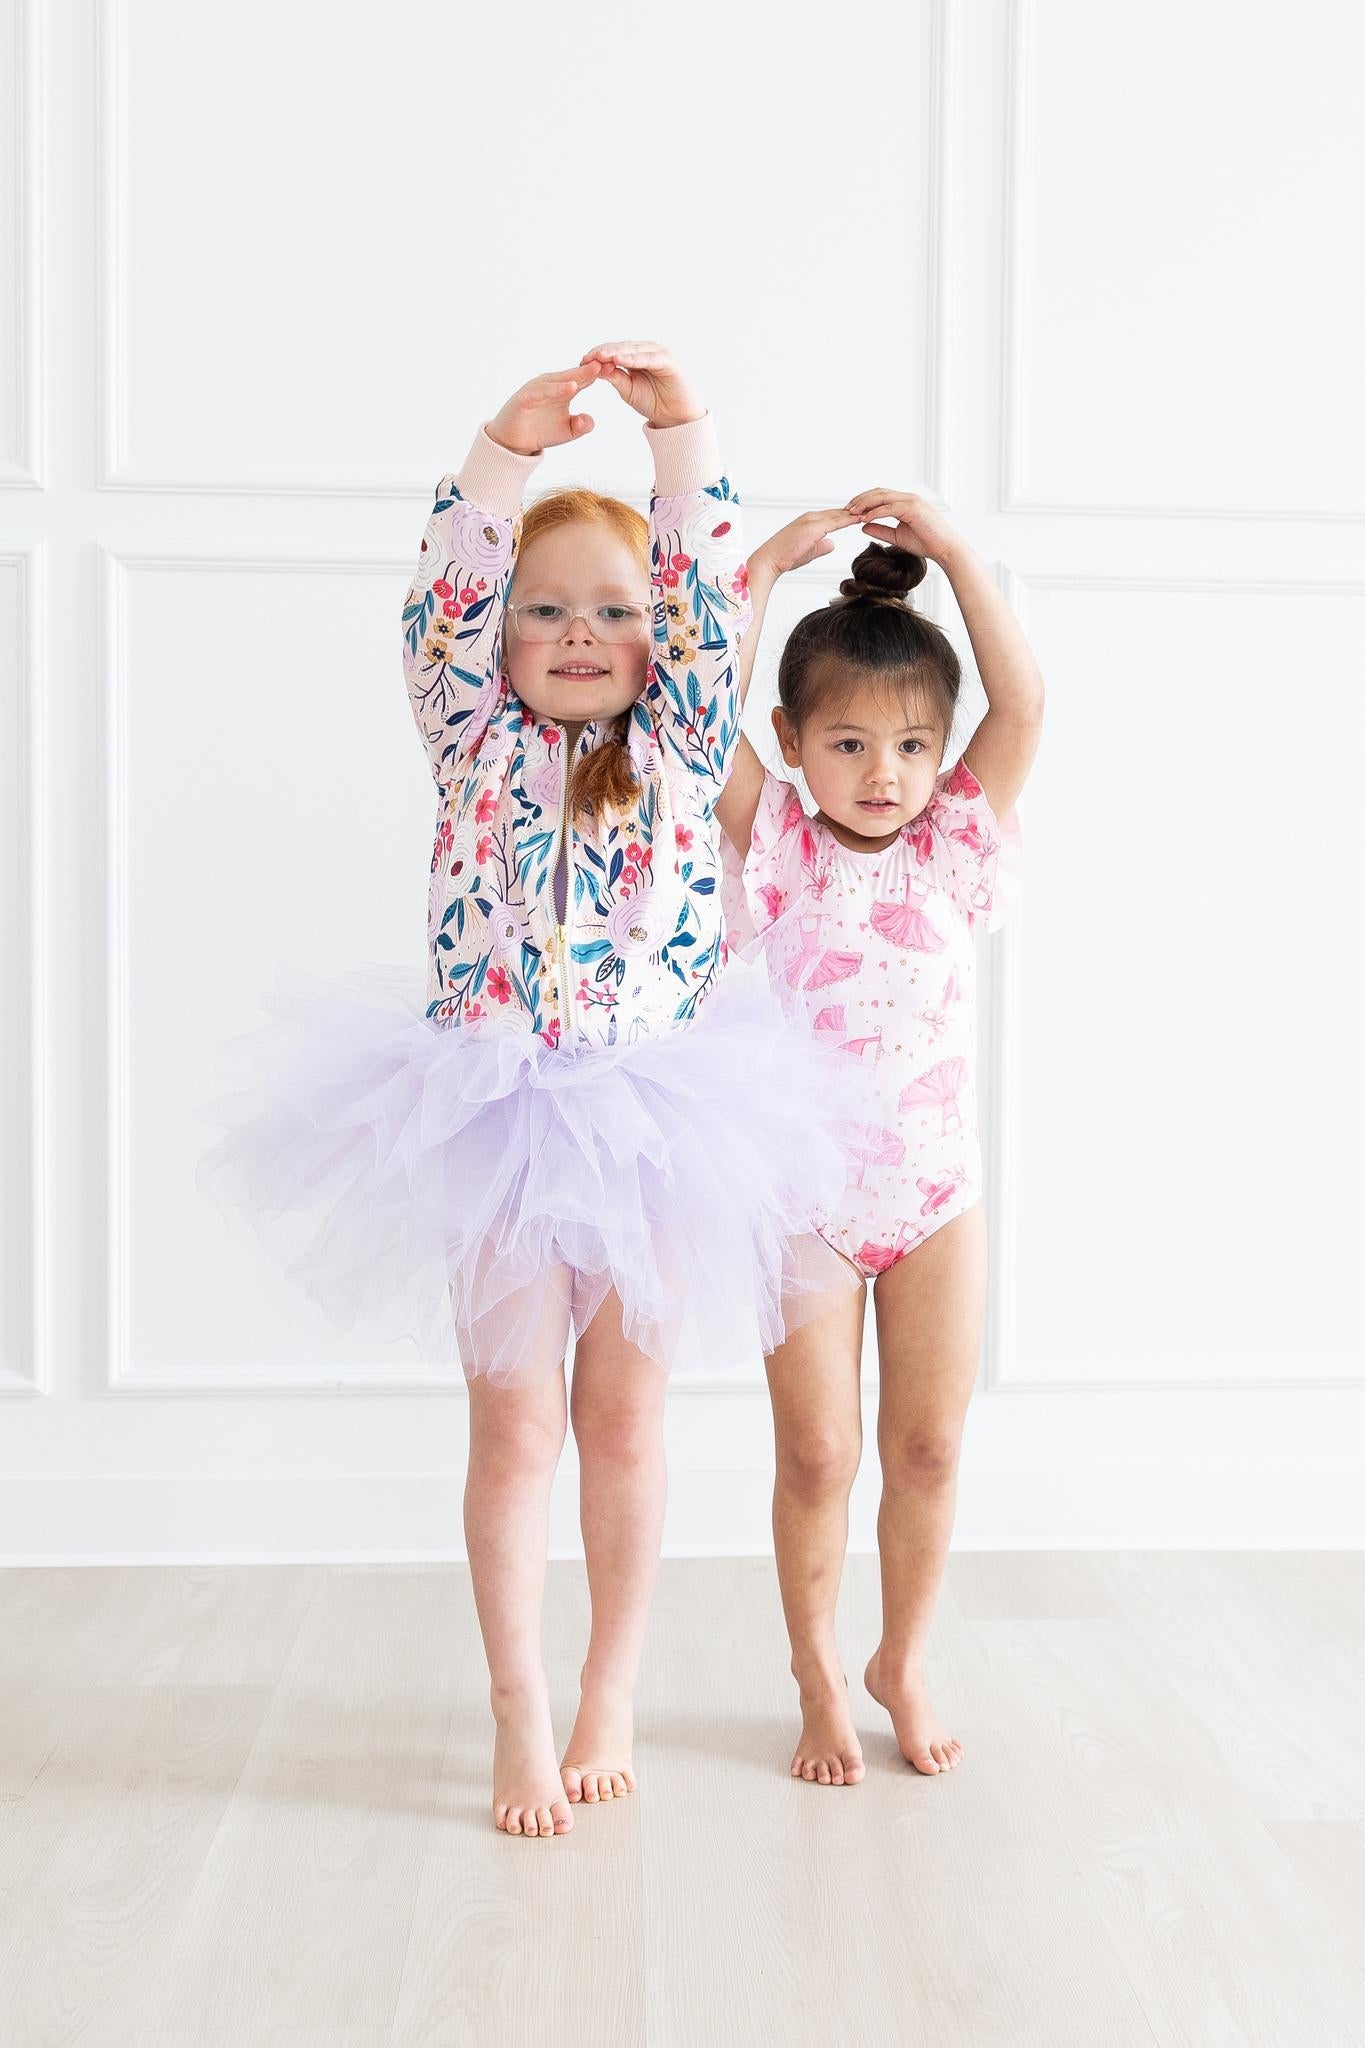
{"x":905,"y":924}
{"x":937,"y":1192}
{"x":938,"y":1089}
{"x":831,"y":1019}
{"x":817,"y":968}
{"x":871,"y":1145}
{"x":868,"y":1050}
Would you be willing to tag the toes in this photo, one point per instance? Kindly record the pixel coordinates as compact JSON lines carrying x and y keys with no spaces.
{"x":822,"y":1772}
{"x":629,"y":1776}
{"x":500,"y":1817}
{"x":573,"y":1784}
{"x":514,"y":1820}
{"x":604,"y":1790}
{"x":619,"y":1785}
{"x":925,"y":1761}
{"x":590,"y":1787}
{"x":808,"y":1771}
{"x":836,"y":1773}
{"x":853,"y":1769}
{"x":797,"y":1766}
{"x":545,"y":1821}
{"x":563,"y":1819}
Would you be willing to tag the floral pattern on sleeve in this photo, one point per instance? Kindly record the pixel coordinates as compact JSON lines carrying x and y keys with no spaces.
{"x":701,"y":608}
{"x":452,"y":627}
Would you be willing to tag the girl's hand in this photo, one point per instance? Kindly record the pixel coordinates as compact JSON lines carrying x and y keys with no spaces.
{"x":537,"y":417}
{"x":648,"y":379}
{"x":803,"y":540}
{"x":916,"y":526}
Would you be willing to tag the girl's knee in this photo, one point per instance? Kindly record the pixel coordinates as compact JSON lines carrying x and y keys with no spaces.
{"x":509,"y":1442}
{"x":921,"y":1455}
{"x":818,"y":1464}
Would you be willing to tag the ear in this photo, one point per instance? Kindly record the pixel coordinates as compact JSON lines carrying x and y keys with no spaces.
{"x":787,"y":737}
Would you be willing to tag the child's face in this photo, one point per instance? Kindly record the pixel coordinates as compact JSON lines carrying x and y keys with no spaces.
{"x":581,"y":564}
{"x":869,"y":756}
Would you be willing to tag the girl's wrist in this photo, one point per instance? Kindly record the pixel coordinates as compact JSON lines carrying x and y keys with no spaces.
{"x":680,"y":420}
{"x":511,"y":446}
{"x":954,"y":555}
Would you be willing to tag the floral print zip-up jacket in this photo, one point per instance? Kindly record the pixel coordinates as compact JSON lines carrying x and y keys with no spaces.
{"x":641,"y":945}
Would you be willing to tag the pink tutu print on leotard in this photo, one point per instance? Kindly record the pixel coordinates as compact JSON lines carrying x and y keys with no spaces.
{"x":906,"y":924}
{"x":816,"y":966}
{"x":938,"y":1089}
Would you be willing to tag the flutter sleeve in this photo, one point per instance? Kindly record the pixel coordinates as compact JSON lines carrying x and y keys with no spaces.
{"x":977,"y":858}
{"x":454,"y":609}
{"x":760,"y":888}
{"x":701,"y":602}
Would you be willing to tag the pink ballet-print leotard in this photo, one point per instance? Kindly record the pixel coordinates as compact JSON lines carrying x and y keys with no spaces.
{"x":880,"y":949}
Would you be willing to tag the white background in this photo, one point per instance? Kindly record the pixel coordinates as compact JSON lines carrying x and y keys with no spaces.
{"x":1087,"y":275}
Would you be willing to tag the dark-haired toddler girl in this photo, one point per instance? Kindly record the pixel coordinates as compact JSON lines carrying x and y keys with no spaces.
{"x":868,"y":910}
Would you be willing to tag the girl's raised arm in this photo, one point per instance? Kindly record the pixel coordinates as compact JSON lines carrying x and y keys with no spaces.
{"x":453,"y":612}
{"x":1000,"y":752}
{"x":793,"y":546}
{"x":701,"y":601}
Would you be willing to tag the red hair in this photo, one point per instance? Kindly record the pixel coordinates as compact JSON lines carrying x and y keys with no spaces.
{"x":605,"y":776}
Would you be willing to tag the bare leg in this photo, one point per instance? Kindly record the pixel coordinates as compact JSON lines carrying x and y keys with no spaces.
{"x":929,"y":1309}
{"x":515,"y":1438}
{"x":817,"y":1428}
{"x":617,"y":1408}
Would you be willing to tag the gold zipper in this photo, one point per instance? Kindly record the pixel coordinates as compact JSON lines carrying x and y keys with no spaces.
{"x":563,"y":845}
{"x":565,"y":983}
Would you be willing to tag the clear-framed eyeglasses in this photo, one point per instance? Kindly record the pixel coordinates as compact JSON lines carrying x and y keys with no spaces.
{"x":614,"y":620}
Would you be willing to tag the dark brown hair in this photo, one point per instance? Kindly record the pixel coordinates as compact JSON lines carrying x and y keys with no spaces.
{"x":870,"y":630}
{"x":606,"y":776}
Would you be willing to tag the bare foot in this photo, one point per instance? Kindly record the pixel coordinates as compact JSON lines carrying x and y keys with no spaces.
{"x":924,"y":1742}
{"x":528,"y":1798}
{"x":596,"y":1764}
{"x":828,"y":1751}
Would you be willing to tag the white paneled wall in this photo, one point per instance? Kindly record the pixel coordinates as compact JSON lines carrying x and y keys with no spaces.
{"x":1081,"y":274}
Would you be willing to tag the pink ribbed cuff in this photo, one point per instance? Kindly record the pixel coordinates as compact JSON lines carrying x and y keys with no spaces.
{"x":493,"y":478}
{"x":686,"y":458}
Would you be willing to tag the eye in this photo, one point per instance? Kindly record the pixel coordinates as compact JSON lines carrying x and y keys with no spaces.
{"x":848,"y":746}
{"x":546,"y":611}
{"x":915,"y":745}
{"x":614,"y":611}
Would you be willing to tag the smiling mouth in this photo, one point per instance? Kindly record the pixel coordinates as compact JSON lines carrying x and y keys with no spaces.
{"x":576,"y":671}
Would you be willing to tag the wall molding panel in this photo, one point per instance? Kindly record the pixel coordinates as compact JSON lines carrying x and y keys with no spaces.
{"x":28,"y":1374}
{"x":120,"y":470}
{"x":1003,"y":1372}
{"x":24,"y":469}
{"x":1017,"y":492}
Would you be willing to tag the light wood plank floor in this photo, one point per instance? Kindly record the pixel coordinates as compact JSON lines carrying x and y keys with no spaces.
{"x":249,"y":1806}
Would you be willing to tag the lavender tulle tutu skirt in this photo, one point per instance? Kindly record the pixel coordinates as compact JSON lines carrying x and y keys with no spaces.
{"x":487,"y":1192}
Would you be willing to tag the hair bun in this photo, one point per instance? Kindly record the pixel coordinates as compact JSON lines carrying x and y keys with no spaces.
{"x":884,"y":575}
